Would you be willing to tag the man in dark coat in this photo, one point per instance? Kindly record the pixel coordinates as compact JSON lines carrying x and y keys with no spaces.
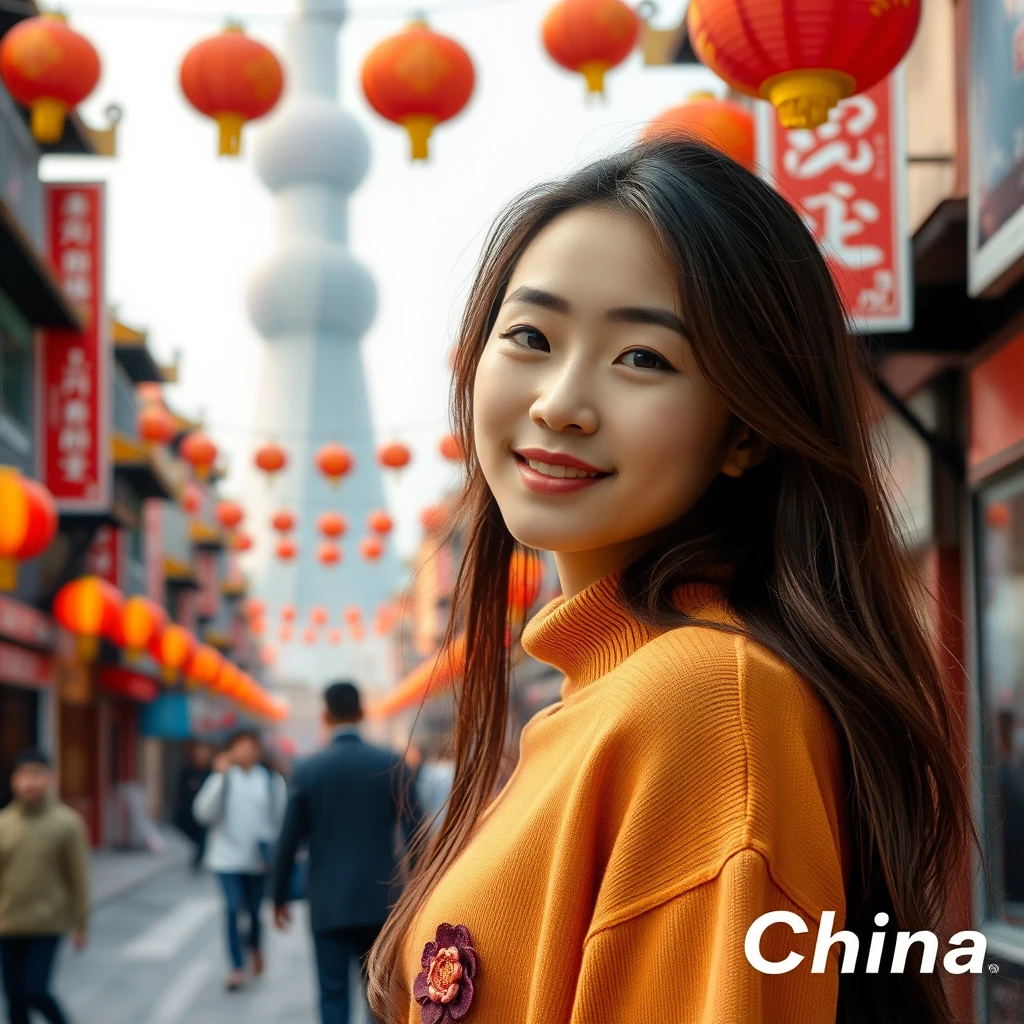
{"x":353,"y":804}
{"x":190,"y":781}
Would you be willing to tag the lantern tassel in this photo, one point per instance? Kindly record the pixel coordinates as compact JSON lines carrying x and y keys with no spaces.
{"x":804,"y":98}
{"x":48,"y":121}
{"x":230,"y":125}
{"x":8,"y":574}
{"x":87,"y":648}
{"x":419,"y":127}
{"x":593,"y":71}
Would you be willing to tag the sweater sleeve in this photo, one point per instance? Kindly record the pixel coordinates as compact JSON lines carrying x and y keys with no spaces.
{"x":77,"y":867}
{"x":206,"y":806}
{"x":683,"y":961}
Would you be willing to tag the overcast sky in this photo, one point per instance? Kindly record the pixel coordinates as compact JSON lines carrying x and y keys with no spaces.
{"x":187,"y":229}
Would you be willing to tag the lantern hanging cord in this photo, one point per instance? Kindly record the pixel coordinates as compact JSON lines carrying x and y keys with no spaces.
{"x":28,"y":8}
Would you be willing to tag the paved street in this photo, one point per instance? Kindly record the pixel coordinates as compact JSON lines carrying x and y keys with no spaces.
{"x":156,"y":956}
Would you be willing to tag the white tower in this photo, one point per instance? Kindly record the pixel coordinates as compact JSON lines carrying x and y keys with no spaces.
{"x":312,"y":302}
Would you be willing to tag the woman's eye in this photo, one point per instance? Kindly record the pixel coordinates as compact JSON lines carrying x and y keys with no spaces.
{"x":526,"y":337}
{"x":643,"y":359}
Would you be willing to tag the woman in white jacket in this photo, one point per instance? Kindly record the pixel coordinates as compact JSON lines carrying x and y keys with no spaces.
{"x":243,"y":804}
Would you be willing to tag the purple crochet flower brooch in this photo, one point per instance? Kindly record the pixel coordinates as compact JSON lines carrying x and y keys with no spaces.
{"x":444,"y":988}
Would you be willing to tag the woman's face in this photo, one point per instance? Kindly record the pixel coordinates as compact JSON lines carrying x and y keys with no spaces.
{"x":594,"y":428}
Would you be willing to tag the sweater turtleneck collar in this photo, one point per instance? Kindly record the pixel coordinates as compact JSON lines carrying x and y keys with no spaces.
{"x":588,"y":635}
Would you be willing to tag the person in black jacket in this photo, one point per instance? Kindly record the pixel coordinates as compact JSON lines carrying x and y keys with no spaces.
{"x":345,"y":804}
{"x":190,"y":781}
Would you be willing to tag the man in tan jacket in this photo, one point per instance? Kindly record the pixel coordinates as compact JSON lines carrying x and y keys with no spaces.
{"x":44,"y":872}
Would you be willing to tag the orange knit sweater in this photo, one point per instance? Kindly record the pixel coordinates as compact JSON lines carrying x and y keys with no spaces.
{"x":687,"y":782}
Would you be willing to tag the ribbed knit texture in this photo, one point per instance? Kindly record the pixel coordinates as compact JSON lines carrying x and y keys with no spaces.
{"x":687,"y":782}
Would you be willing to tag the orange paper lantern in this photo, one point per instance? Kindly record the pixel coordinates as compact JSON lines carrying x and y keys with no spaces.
{"x":284,"y":634}
{"x":49,"y":68}
{"x":394,"y":455}
{"x":720,"y":123}
{"x":283,"y":521}
{"x":287,"y":613}
{"x":334,"y":461}
{"x":334,"y":636}
{"x":28,"y":522}
{"x":191,"y":498}
{"x":269,"y":655}
{"x":526,"y":573}
{"x":271,"y":458}
{"x":172,"y":648}
{"x":199,"y":452}
{"x":418,"y":79}
{"x":353,"y":615}
{"x":229,"y":514}
{"x":287,"y":549}
{"x":232,"y":79}
{"x":141,"y":620}
{"x":590,"y":37}
{"x":203,"y":666}
{"x":803,"y":56}
{"x":328,"y":553}
{"x":332,"y":524}
{"x":242,"y":542}
{"x":433,"y":518}
{"x":380,"y":522}
{"x":309,"y":636}
{"x":371,"y":548}
{"x":255,"y":607}
{"x":89,"y":607}
{"x":450,"y":448}
{"x":318,"y":615}
{"x":155,"y":424}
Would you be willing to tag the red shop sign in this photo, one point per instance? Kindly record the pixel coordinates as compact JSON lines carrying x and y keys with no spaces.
{"x":125,"y":683}
{"x":105,"y":556}
{"x":847,"y":178}
{"x":74,"y":409}
{"x":23,"y":667}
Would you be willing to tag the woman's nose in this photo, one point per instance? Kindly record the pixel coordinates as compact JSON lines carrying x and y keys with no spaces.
{"x":564,"y":404}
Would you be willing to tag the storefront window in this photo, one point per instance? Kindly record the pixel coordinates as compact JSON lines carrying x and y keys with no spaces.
{"x":1001,"y":607}
{"x":15,"y":379}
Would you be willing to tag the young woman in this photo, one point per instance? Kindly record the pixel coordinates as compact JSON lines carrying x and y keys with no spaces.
{"x":655,"y":381}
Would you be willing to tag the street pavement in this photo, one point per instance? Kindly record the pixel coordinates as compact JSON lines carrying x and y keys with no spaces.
{"x":156,"y":955}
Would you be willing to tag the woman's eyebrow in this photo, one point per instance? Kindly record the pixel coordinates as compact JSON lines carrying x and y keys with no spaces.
{"x":623,"y":314}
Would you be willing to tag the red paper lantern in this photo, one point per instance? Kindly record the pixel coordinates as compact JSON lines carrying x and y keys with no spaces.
{"x":229,"y":514}
{"x":380,"y":522}
{"x":802,"y":56}
{"x":141,"y":621}
{"x":204,"y":666}
{"x":257,"y":626}
{"x":271,"y":458}
{"x":232,"y":79}
{"x":284,"y":634}
{"x":49,"y":68}
{"x":334,"y":461}
{"x":255,"y":608}
{"x":353,"y":615}
{"x":394,"y":456}
{"x":418,"y":79}
{"x":332,"y":524}
{"x":172,"y":648}
{"x":89,"y":607}
{"x":591,"y":37}
{"x":433,"y":518}
{"x":199,"y":452}
{"x":318,"y":615}
{"x":269,"y":656}
{"x":283,"y":521}
{"x":287,"y":613}
{"x":371,"y":548}
{"x":309,"y":636}
{"x":328,"y":553}
{"x":450,"y":448}
{"x":191,"y":498}
{"x":28,"y":522}
{"x":334,"y":636}
{"x":155,"y":424}
{"x":242,"y":542}
{"x":526,"y":573}
{"x":720,"y":123}
{"x":286,"y":549}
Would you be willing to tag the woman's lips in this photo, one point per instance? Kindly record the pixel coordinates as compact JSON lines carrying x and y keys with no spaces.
{"x":541,"y":483}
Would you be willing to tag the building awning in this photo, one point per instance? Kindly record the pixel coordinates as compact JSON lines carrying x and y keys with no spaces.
{"x":133,"y":460}
{"x":179,"y":574}
{"x":234,"y":587}
{"x":205,"y":536}
{"x":131,"y":350}
{"x":427,"y":679}
{"x":946,"y":318}
{"x":30,"y":281}
{"x":217,"y":639}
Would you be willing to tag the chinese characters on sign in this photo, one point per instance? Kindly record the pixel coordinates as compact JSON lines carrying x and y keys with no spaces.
{"x":846,"y":178}
{"x":75,"y":463}
{"x":105,"y":556}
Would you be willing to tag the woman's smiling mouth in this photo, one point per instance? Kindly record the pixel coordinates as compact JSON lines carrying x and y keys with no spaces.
{"x":554,"y":473}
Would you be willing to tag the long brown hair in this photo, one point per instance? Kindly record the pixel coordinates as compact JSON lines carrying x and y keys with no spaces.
{"x":819,"y":572}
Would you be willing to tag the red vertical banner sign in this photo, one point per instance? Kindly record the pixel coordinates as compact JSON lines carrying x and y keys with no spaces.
{"x":106,"y":556}
{"x":847,"y":179}
{"x":74,"y":410}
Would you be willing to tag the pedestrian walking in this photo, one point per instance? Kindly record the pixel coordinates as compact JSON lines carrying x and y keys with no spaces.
{"x":354,"y":805}
{"x":44,"y":887}
{"x":190,"y":781}
{"x":242,"y":804}
{"x":657,"y":382}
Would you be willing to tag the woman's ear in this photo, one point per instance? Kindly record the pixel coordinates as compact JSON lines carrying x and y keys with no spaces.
{"x":748,"y":449}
